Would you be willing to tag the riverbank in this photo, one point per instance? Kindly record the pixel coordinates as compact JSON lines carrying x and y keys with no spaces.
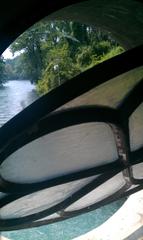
{"x":127,"y":220}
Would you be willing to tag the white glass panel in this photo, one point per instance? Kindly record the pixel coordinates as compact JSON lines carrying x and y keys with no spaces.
{"x":136,"y":128}
{"x":41,"y":200}
{"x":138,"y":171}
{"x":51,"y":217}
{"x":132,"y":188}
{"x":70,"y":149}
{"x":100,"y":193}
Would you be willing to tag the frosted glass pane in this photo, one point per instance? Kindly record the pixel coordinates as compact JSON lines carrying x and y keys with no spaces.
{"x":64,"y":151}
{"x":51,"y":217}
{"x":100,"y":193}
{"x":132,"y":188}
{"x":138,"y":171}
{"x":41,"y":200}
{"x":136,"y":128}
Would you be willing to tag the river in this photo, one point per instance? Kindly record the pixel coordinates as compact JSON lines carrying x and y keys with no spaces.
{"x":14,"y":97}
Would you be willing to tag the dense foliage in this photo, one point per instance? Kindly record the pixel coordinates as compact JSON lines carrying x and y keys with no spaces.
{"x":53,"y":52}
{"x":2,"y":71}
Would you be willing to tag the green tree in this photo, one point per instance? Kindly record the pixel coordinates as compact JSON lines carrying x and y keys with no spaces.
{"x":2,"y":71}
{"x":60,"y":68}
{"x":53,"y":52}
{"x":29,"y":43}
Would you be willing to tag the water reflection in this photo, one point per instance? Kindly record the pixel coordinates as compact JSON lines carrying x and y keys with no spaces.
{"x":14,"y":97}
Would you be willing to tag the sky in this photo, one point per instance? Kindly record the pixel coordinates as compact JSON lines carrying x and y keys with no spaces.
{"x":8,"y":55}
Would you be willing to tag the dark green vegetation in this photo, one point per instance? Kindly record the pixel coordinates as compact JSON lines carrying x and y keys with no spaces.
{"x":2,"y":71}
{"x":53,"y":52}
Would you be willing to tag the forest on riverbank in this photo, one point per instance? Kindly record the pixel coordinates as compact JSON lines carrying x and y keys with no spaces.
{"x":50,"y":53}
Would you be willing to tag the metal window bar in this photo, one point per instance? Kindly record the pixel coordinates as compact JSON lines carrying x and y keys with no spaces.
{"x":40,"y":119}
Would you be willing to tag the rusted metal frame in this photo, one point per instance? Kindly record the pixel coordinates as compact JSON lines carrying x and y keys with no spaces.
{"x":123,"y":153}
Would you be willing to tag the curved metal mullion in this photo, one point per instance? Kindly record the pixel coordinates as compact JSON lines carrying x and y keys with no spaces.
{"x":129,"y":105}
{"x":15,"y":188}
{"x":57,"y":121}
{"x":58,"y":207}
{"x":116,"y":195}
{"x":63,"y":215}
{"x":122,"y":144}
{"x":52,"y":123}
{"x":126,"y":108}
{"x":34,"y":119}
{"x":136,"y":157}
{"x":73,"y":88}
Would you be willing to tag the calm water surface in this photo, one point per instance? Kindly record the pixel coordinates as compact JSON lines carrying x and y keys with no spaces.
{"x":14,"y":97}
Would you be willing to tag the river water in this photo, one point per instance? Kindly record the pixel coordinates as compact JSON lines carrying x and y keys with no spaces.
{"x":14,"y":97}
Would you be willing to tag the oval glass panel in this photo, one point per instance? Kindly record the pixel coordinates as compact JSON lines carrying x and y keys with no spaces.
{"x":41,"y":200}
{"x":100,"y":193}
{"x":48,"y":218}
{"x":138,"y":171}
{"x":136,"y":128}
{"x":62,"y":152}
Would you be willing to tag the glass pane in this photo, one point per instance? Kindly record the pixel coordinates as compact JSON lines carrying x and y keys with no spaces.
{"x":51,"y":217}
{"x":136,"y":128}
{"x":110,"y":93}
{"x":70,"y":228}
{"x":138,"y":171}
{"x":41,"y":200}
{"x":103,"y":191}
{"x":64,"y":151}
{"x":132,"y":188}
